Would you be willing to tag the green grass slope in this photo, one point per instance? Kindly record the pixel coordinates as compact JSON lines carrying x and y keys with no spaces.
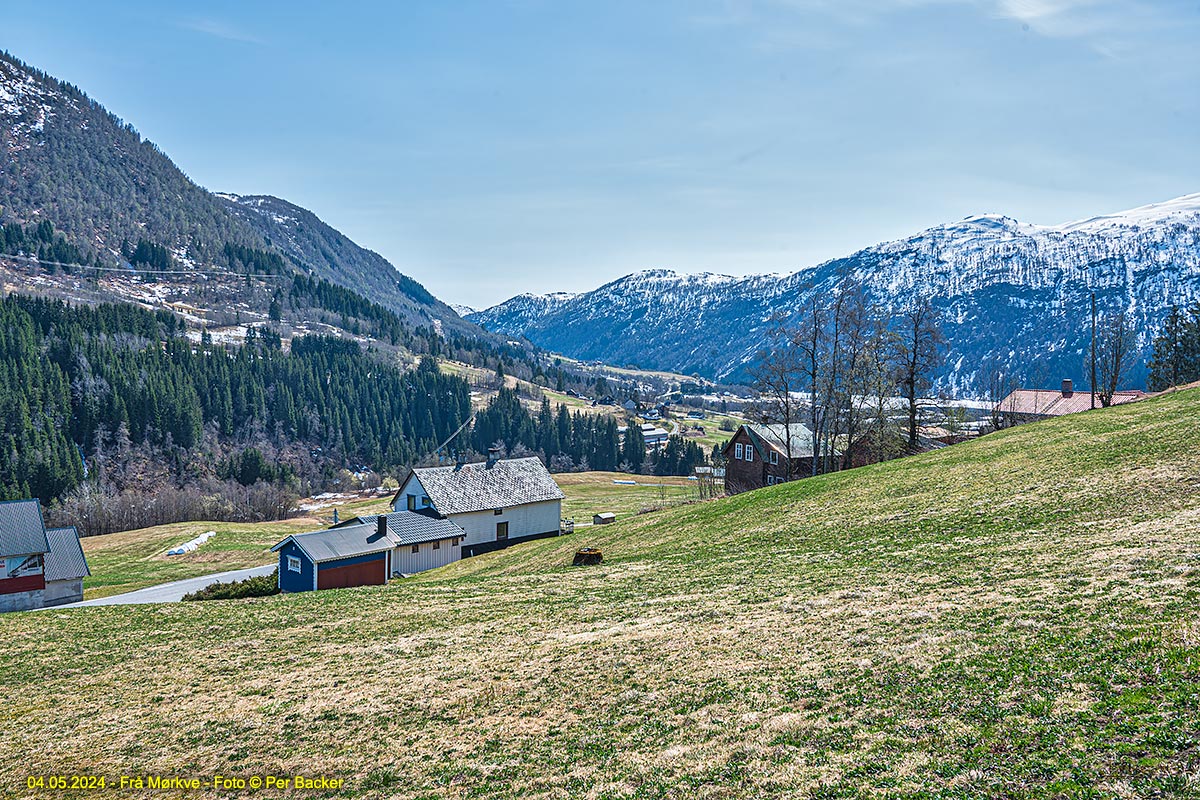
{"x":1015,"y":617}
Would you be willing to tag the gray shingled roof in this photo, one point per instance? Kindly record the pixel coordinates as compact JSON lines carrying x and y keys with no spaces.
{"x":337,"y":543}
{"x":65,"y":561}
{"x":360,"y":536}
{"x":407,"y":527}
{"x":476,"y":487}
{"x":22,"y":531}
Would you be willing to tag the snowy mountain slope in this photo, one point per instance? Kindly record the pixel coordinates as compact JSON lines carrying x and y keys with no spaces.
{"x":1014,"y":297}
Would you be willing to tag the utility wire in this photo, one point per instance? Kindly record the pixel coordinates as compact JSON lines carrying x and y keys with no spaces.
{"x":135,"y":271}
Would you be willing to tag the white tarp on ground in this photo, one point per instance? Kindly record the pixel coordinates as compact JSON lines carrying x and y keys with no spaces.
{"x":188,"y":547}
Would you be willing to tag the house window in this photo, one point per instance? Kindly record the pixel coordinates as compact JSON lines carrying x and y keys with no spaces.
{"x":501,"y":531}
{"x":412,"y":502}
{"x":293,"y":564}
{"x":770,"y":480}
{"x":498,"y":511}
{"x":416,"y":549}
{"x":437,"y":545}
{"x":749,"y":453}
{"x":737,"y":450}
{"x":424,"y":502}
{"x":774,"y":457}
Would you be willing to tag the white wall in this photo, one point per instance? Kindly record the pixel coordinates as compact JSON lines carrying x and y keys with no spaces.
{"x":58,"y":592}
{"x":526,"y":520}
{"x":405,"y":561}
{"x":411,"y":486}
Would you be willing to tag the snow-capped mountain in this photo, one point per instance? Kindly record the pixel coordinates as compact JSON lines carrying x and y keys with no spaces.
{"x":520,"y":311}
{"x":1014,"y":297}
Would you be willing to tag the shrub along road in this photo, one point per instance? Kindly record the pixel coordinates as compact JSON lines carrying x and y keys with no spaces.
{"x":174,"y":591}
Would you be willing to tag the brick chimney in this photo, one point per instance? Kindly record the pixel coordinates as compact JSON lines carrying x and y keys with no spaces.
{"x":381,"y":525}
{"x":1068,"y":387}
{"x":493,"y":456}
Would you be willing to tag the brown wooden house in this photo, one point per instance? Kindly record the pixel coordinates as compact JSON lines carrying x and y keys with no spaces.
{"x":759,"y":455}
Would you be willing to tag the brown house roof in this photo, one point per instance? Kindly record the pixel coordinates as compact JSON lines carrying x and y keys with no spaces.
{"x":1054,"y":403}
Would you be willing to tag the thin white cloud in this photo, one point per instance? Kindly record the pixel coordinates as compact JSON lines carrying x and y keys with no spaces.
{"x":219,"y":29}
{"x":1065,"y":18}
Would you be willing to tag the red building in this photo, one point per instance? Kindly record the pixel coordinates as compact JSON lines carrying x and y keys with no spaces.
{"x":23,"y":549}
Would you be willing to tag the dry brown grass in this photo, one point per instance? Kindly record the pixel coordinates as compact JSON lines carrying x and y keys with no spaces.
{"x":1003,"y":619}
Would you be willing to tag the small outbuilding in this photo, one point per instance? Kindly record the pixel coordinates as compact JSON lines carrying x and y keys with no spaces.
{"x":604,"y":518}
{"x":367,"y":551}
{"x":66,"y":567}
{"x":356,"y":555}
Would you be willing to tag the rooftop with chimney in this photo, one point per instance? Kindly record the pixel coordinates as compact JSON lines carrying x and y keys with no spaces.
{"x":495,"y":483}
{"x":1029,"y":404}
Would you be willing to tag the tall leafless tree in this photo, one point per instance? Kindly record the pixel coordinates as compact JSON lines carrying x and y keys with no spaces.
{"x":1115,"y":343}
{"x":920,"y":348}
{"x":881,"y":388}
{"x":856,"y":326}
{"x":811,"y":346}
{"x":776,"y":380}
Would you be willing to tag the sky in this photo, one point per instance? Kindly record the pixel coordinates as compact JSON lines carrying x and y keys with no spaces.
{"x":506,"y":146}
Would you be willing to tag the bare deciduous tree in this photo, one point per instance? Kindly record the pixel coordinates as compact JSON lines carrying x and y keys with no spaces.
{"x":1115,"y":343}
{"x":776,"y":378}
{"x":810,"y":344}
{"x":919,"y":347}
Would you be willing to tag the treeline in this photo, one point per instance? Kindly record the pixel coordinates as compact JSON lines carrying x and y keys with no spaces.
{"x":576,"y":442}
{"x":1176,"y":356}
{"x":40,"y":241}
{"x":240,"y":258}
{"x":357,"y":314}
{"x":149,"y":254}
{"x":77,"y":382}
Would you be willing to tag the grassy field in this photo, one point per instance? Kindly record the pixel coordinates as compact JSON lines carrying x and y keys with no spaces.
{"x":1013,"y":617}
{"x":591,"y":493}
{"x":713,"y":435}
{"x":122,"y":562}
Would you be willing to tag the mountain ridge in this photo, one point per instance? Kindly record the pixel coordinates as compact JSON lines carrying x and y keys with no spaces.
{"x":994,"y":278}
{"x":70,"y":161}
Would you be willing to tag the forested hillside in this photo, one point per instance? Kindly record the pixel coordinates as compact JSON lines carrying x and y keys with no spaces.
{"x":93,"y":383}
{"x":114,"y":198}
{"x":306,"y":240}
{"x":66,"y":159}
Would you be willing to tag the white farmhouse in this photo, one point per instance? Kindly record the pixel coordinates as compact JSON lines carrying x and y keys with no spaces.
{"x":497,"y":503}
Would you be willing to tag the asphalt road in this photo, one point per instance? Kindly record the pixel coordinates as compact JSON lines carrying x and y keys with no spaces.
{"x":171,"y":592}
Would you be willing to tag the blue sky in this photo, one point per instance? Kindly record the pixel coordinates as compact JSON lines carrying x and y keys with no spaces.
{"x":499,"y":147}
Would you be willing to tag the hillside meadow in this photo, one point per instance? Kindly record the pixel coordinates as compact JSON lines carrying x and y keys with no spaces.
{"x":1013,"y":617}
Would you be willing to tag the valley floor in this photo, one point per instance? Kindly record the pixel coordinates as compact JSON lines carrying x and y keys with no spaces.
{"x":1014,"y":617}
